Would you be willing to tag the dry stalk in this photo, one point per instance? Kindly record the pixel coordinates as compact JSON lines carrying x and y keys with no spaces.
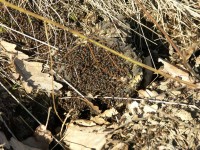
{"x":76,"y":33}
{"x":51,"y":67}
{"x":28,"y":36}
{"x":83,"y":98}
{"x":153,"y":100}
{"x":1,"y":84}
{"x":169,"y":40}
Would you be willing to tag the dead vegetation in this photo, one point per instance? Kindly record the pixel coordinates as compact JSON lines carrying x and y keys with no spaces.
{"x":84,"y":59}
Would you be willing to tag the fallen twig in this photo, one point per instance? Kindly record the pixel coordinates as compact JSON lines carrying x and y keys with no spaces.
{"x":169,"y":40}
{"x":76,"y":33}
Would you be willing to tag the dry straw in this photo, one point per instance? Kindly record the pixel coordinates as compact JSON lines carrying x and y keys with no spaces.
{"x":76,"y":33}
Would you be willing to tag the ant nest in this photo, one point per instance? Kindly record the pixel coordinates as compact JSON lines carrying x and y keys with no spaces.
{"x":93,"y":70}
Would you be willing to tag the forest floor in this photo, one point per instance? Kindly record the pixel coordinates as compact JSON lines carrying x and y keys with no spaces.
{"x":100,"y":75}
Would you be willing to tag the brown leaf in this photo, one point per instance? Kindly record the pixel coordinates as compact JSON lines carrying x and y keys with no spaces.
{"x":31,"y":72}
{"x":86,"y":123}
{"x":149,"y":94}
{"x":175,"y":71}
{"x":78,"y":137}
{"x":98,"y":120}
{"x":10,"y":52}
{"x":33,"y":77}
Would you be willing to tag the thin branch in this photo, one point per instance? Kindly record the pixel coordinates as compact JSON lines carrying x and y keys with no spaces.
{"x":30,"y":37}
{"x":141,"y":99}
{"x":169,"y":40}
{"x":1,"y":84}
{"x":83,"y":98}
{"x":76,"y":33}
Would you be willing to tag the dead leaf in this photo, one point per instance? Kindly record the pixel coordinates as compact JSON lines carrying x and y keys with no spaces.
{"x":149,"y":109}
{"x":147,"y":93}
{"x":153,"y":122}
{"x":85,"y":138}
{"x":109,"y":113}
{"x":106,"y":114}
{"x":164,"y":85}
{"x":184,"y":115}
{"x":166,"y":147}
{"x":150,"y":94}
{"x":31,"y":72}
{"x":126,"y":118}
{"x":84,"y":122}
{"x":175,"y":71}
{"x":98,"y":120}
{"x":176,"y":92}
{"x":132,"y":106}
{"x":10,"y":51}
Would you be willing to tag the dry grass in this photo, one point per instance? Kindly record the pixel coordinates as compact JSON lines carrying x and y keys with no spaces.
{"x":179,"y":19}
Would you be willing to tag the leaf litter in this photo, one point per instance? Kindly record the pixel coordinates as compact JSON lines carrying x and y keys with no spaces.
{"x":39,"y":141}
{"x":143,"y":118}
{"x":143,"y":124}
{"x":30,"y":72}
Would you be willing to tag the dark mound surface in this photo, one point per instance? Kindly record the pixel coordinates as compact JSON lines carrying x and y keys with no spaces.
{"x":94,"y":71}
